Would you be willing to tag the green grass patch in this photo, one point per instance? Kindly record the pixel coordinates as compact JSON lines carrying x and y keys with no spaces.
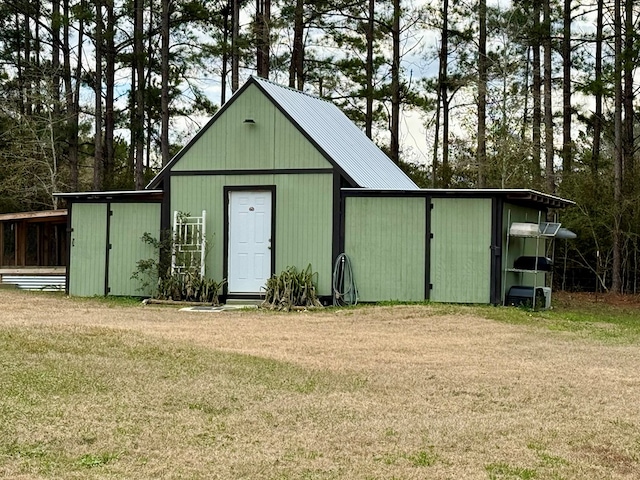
{"x":96,"y":400}
{"x":618,"y":325}
{"x":504,"y":471}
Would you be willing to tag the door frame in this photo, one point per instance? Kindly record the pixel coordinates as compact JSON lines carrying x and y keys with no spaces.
{"x":225,"y":265}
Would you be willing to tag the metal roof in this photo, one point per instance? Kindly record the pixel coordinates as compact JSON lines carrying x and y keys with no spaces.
{"x":50,"y":214}
{"x":341,"y":142}
{"x":144,"y":194}
{"x":338,"y":137}
{"x":516,"y":195}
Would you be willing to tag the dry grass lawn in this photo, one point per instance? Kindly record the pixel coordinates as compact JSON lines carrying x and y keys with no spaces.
{"x":93,"y":390}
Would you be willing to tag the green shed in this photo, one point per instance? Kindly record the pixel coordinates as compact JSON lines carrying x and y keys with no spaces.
{"x":286,"y":179}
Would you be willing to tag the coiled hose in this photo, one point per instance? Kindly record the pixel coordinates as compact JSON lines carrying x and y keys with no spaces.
{"x":344,"y":285}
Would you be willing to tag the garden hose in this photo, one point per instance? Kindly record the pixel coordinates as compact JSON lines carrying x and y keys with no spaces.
{"x":344,"y":285}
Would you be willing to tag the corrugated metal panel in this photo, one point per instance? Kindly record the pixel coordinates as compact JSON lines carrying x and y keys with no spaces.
{"x":303,"y":223}
{"x":340,"y":138}
{"x":385,"y":238}
{"x":128,"y":223}
{"x":231,"y":144}
{"x":303,"y":204}
{"x":88,"y":249}
{"x":48,"y":283}
{"x":460,"y":250}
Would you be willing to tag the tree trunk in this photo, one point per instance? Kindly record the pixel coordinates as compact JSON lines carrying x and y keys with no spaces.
{"x":296,"y":68}
{"x":235,"y":47}
{"x":567,"y":143}
{"x":368,"y":119}
{"x":37,"y":64}
{"x":628,"y":94}
{"x":98,"y":160}
{"x":226,"y":12}
{"x":482,"y":93}
{"x":395,"y":84}
{"x":536,"y":126}
{"x":548,"y":112}
{"x":263,"y":18}
{"x":138,"y":126}
{"x":55,"y":57}
{"x":616,"y":277}
{"x":110,"y":81}
{"x":597,"y":119}
{"x":72,"y":92}
{"x":164,"y":88}
{"x":27,"y":87}
{"x":443,"y":85}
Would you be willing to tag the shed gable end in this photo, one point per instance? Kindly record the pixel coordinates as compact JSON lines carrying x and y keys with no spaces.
{"x":251,"y":133}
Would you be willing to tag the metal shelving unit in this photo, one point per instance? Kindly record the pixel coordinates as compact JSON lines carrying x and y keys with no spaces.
{"x":540,"y":231}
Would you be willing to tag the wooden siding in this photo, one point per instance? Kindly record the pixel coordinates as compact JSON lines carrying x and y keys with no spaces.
{"x":88,"y":249}
{"x":521,"y":246}
{"x":128,"y":223}
{"x":460,"y":250}
{"x":385,"y":238}
{"x":303,"y":215}
{"x":272,"y":142}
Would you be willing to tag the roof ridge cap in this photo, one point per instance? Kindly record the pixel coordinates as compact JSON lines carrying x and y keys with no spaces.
{"x":294,"y":90}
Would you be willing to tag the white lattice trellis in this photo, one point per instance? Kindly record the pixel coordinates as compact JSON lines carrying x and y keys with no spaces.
{"x":189,"y":243}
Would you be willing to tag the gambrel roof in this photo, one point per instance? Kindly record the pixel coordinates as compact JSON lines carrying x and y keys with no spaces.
{"x":339,"y":140}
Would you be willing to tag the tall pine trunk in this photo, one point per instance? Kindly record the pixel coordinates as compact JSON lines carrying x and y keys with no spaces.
{"x":567,"y":143}
{"x":482,"y":93}
{"x":618,"y":160}
{"x":109,"y":82}
{"x":548,"y":109}
{"x":98,"y":160}
{"x":443,"y":88}
{"x":164,"y":87}
{"x":235,"y":47}
{"x":263,"y":44}
{"x":138,"y":67}
{"x":296,"y":68}
{"x":597,"y":118}
{"x":536,"y":88}
{"x":395,"y":83}
{"x":368,"y":116}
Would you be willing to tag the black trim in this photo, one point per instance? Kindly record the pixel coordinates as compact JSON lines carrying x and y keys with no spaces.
{"x":108,"y":248}
{"x":496,"y":251}
{"x":225,"y":261}
{"x":113,"y":197}
{"x":245,"y":296}
{"x":522,"y":197}
{"x":337,"y":235}
{"x":165,"y":209}
{"x":427,"y":254}
{"x":69,"y":242}
{"x":275,"y":171}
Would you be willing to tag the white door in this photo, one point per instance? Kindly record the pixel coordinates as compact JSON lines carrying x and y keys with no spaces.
{"x":249,"y":241}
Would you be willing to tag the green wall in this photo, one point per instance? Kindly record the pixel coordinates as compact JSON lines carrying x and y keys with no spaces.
{"x":88,"y":249}
{"x":385,"y":238}
{"x":272,"y":142}
{"x":460,"y":250}
{"x":303,"y":216}
{"x":128,"y":223}
{"x":94,"y":230}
